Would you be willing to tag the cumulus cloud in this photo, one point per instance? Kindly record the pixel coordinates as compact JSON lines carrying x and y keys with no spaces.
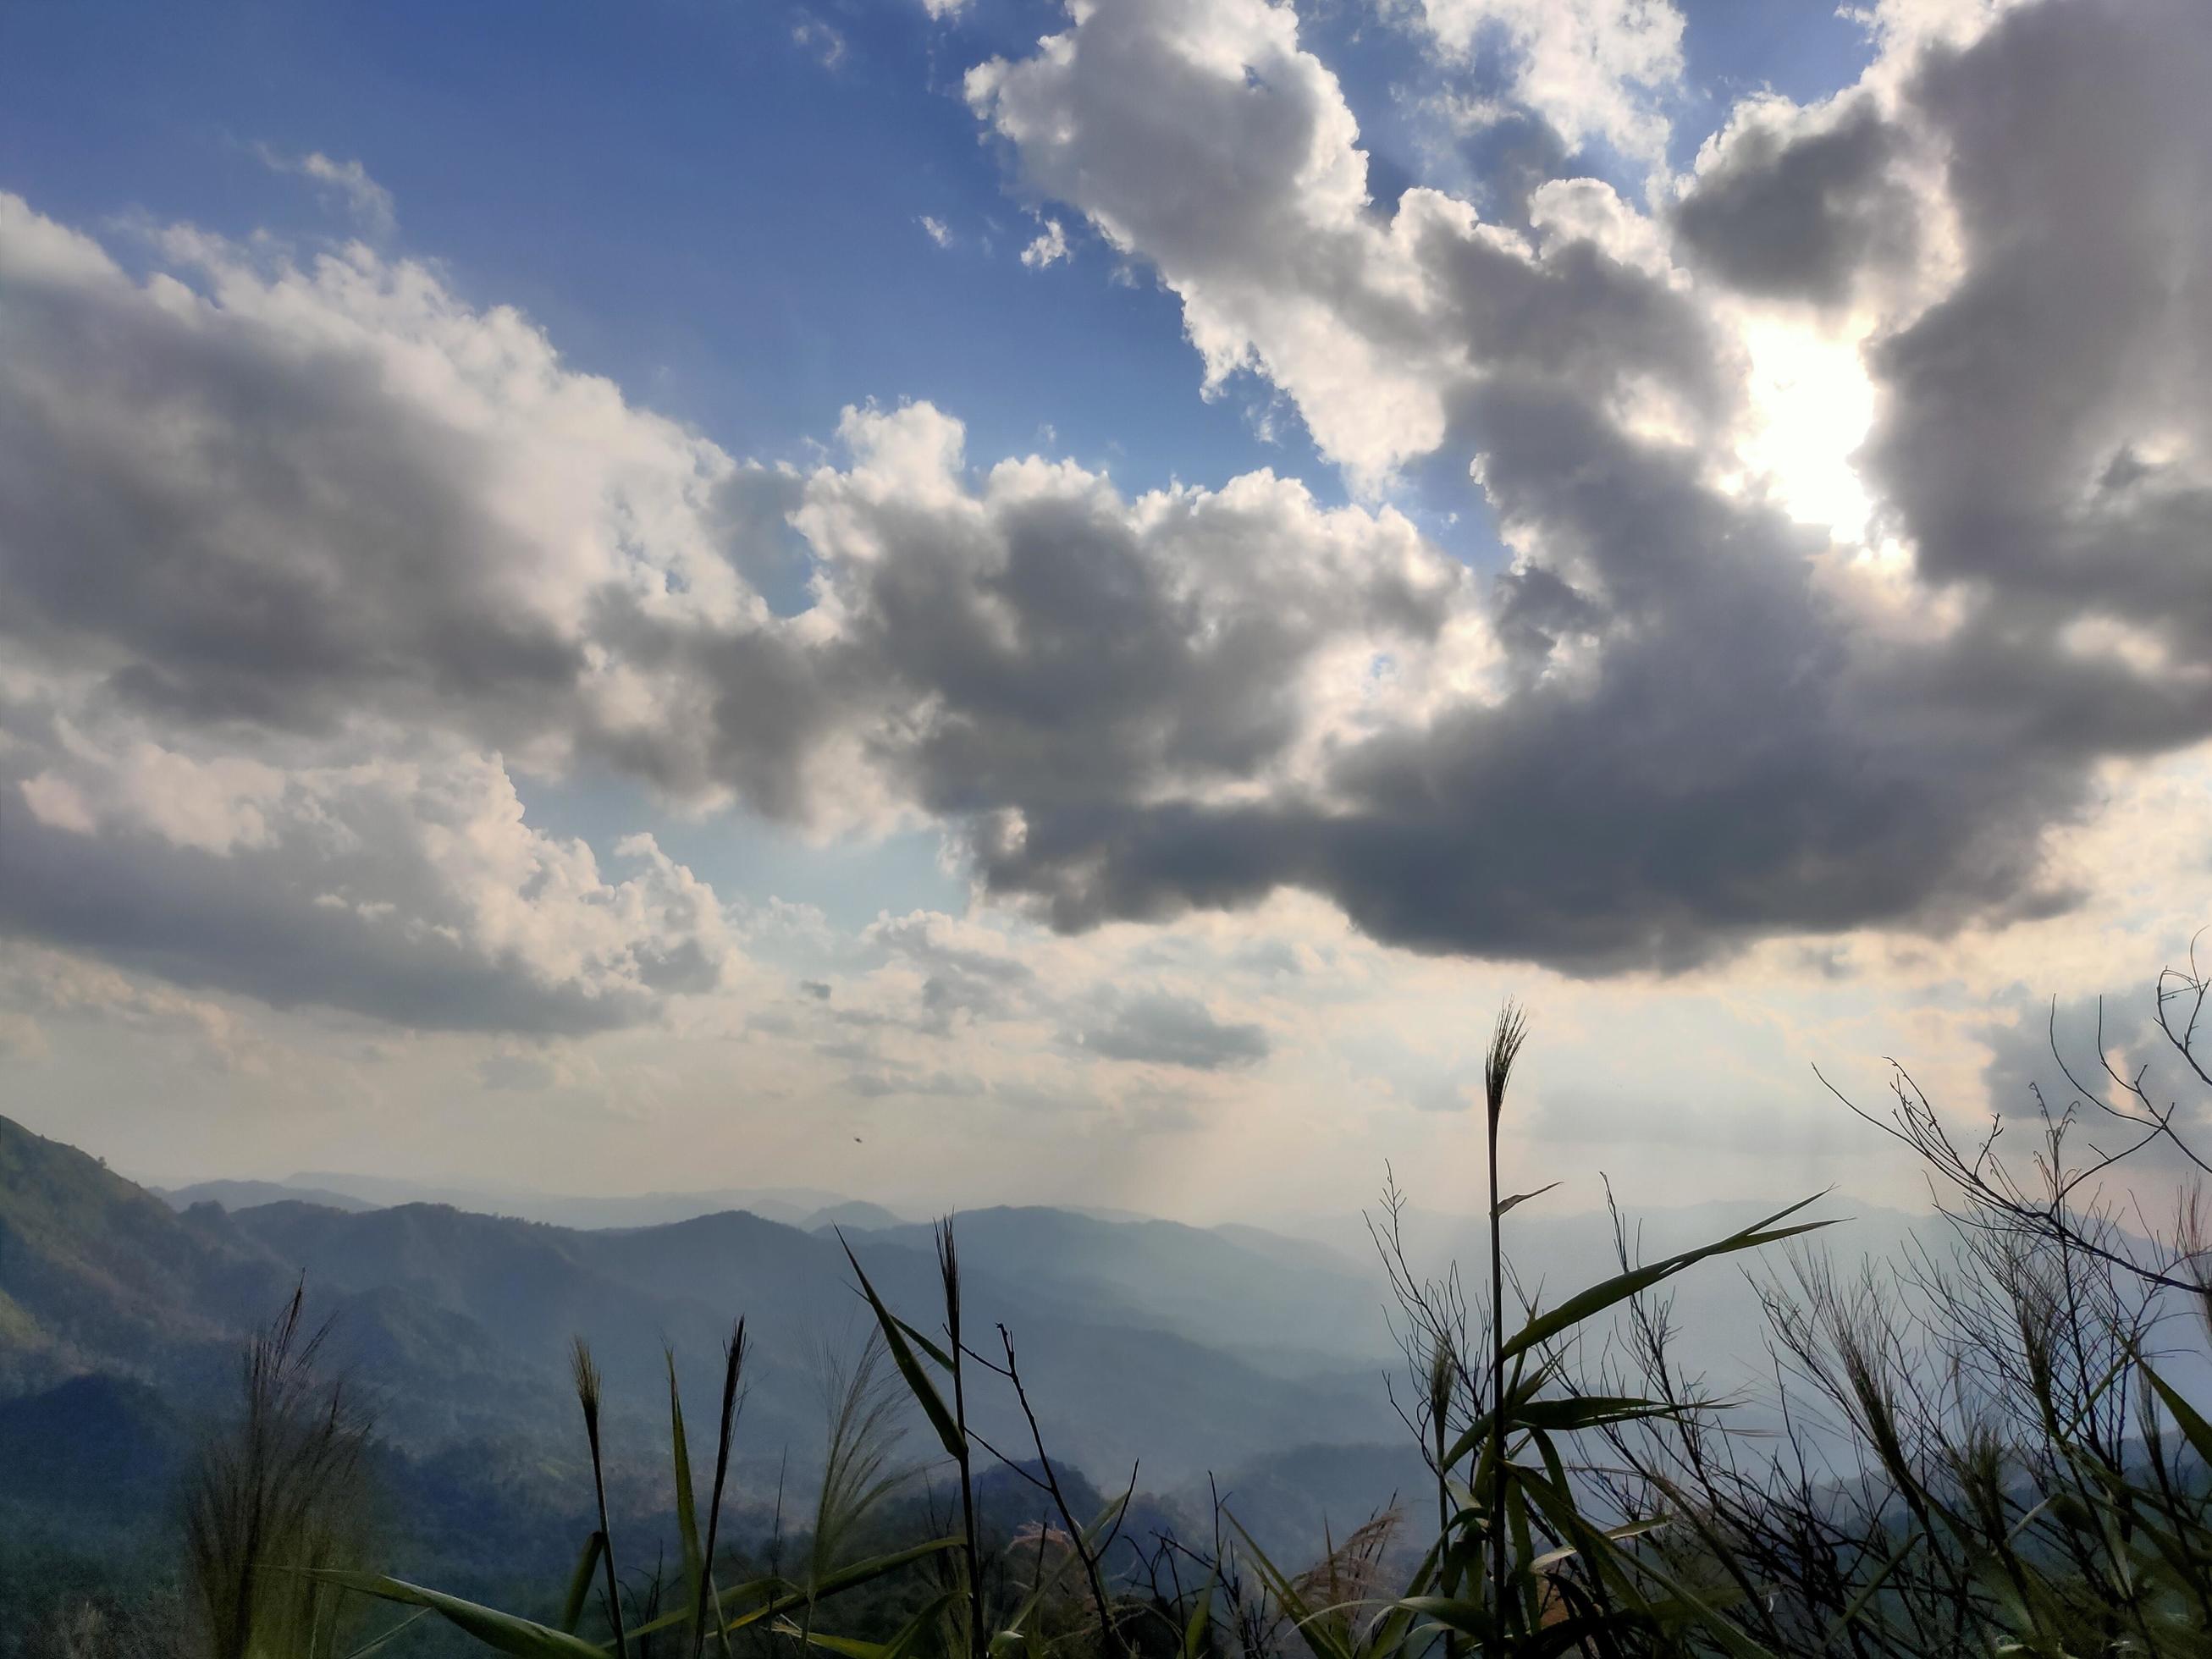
{"x":254,"y":530}
{"x":1714,"y":730}
{"x":408,"y":890}
{"x":1591,"y":69}
{"x":299,"y":559}
{"x":1239,"y":176}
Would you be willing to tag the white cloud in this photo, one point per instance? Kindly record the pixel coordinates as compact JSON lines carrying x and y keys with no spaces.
{"x":369,"y":203}
{"x":1241,"y":180}
{"x":1049,"y":243}
{"x":936,"y":230}
{"x":410,"y":890}
{"x":1593,"y":69}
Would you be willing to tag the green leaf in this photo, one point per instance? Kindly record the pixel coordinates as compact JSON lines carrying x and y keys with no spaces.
{"x":926,"y":1346}
{"x":1454,"y":1613}
{"x":495,"y":1629}
{"x":1517,"y":1397}
{"x":687,"y":1517}
{"x":917,"y":1379}
{"x":1011,"y":1637}
{"x":1551,"y":1559}
{"x":2192,"y":1423}
{"x":909,"y":1637}
{"x":580,"y":1582}
{"x":1622,"y":1286}
{"x":851,"y":1646}
{"x":1505,"y":1204}
{"x":863,"y":1573}
{"x":1386,"y":1640}
{"x":1457,"y":1612}
{"x":1570,"y":1635}
{"x":1018,"y":1632}
{"x":1201,"y":1618}
{"x":774,"y":1592}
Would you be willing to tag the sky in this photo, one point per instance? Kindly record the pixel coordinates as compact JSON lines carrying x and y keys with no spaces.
{"x":970,"y":601}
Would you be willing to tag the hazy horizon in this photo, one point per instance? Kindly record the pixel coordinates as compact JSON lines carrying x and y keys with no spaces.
{"x":1568,"y":1206}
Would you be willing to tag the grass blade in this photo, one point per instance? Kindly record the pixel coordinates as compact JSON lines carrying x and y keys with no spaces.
{"x":1621,"y":1286}
{"x":503,"y":1631}
{"x":1200,"y":1622}
{"x":902,"y":1355}
{"x":686,"y":1514}
{"x":580,"y":1582}
{"x":1518,"y":1199}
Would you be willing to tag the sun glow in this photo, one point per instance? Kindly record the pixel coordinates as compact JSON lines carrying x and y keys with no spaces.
{"x":1812,"y":404}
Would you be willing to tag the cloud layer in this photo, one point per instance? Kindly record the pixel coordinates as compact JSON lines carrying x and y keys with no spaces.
{"x":304,"y":560}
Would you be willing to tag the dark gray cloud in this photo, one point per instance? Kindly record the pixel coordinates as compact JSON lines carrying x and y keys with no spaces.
{"x":1740,"y":759}
{"x":2045,"y":427}
{"x":244,"y":526}
{"x":1797,"y":209}
{"x":1160,"y":1029}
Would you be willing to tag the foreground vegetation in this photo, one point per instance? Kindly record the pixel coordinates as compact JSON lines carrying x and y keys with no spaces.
{"x":1985,"y":1449}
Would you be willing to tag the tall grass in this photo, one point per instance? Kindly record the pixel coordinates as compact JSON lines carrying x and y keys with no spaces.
{"x":275,"y":1499}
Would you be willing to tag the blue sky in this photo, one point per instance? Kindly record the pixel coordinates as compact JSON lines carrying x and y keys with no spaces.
{"x":684,"y":195}
{"x":1611,"y":630}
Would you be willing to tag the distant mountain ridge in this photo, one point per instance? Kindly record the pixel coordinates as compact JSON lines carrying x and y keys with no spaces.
{"x":245,"y":1195}
{"x":457,"y":1323}
{"x":805,"y":1207}
{"x":1189,"y":1350}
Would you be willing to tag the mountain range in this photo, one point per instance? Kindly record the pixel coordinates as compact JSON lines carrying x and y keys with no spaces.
{"x":1237,"y":1359}
{"x":1143,"y":1342}
{"x":804,"y":1207}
